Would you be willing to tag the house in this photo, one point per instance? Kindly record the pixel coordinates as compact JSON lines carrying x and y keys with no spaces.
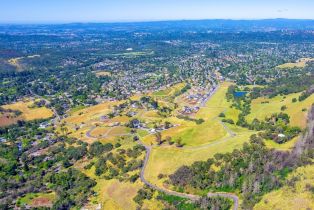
{"x":3,"y":140}
{"x":135,"y":123}
{"x":44,"y":125}
{"x":280,"y":135}
{"x":104,"y":118}
{"x":131,"y":114}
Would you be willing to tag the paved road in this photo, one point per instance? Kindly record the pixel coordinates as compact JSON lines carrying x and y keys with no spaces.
{"x":185,"y":195}
{"x":88,"y":133}
{"x":227,"y":195}
{"x":169,"y":192}
{"x":182,"y":195}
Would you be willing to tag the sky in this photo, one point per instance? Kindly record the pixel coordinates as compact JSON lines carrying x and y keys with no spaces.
{"x":66,"y":11}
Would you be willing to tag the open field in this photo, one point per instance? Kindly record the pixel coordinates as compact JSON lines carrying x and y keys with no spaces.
{"x":99,"y":131}
{"x":291,"y":198}
{"x":301,"y":63}
{"x":261,"y":110}
{"x":112,"y":194}
{"x":17,"y":61}
{"x":168,"y":92}
{"x":91,"y":113}
{"x":166,"y":160}
{"x":30,"y":113}
{"x":86,"y":124}
{"x":119,"y":130}
{"x":191,"y":133}
{"x":7,"y":118}
{"x":102,"y":73}
{"x":87,"y":118}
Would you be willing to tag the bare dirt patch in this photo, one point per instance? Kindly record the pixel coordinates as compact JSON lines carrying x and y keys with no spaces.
{"x":41,"y":202}
{"x":7,"y":119}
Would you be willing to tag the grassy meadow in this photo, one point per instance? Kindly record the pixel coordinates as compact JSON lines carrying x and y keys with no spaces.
{"x":260,"y":109}
{"x":166,"y":160}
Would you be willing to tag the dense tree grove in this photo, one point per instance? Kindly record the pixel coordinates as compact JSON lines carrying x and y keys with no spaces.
{"x":72,"y":187}
{"x":111,"y":165}
{"x":175,"y":202}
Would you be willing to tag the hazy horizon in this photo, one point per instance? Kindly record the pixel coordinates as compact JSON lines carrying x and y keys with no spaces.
{"x":98,"y":11}
{"x":143,"y":21}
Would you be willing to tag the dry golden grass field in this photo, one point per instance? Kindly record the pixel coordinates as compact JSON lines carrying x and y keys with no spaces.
{"x":30,"y":113}
{"x":86,"y":118}
{"x":102,"y":73}
{"x":301,"y":63}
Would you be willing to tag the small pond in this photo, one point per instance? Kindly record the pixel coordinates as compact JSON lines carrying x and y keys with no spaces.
{"x":239,"y":94}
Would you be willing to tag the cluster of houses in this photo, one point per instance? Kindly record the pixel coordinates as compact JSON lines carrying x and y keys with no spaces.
{"x":135,"y":123}
{"x":187,"y":110}
{"x":197,"y":98}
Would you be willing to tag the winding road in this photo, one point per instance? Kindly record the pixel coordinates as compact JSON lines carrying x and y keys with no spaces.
{"x":185,"y":195}
{"x":182,"y":195}
{"x":179,"y":194}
